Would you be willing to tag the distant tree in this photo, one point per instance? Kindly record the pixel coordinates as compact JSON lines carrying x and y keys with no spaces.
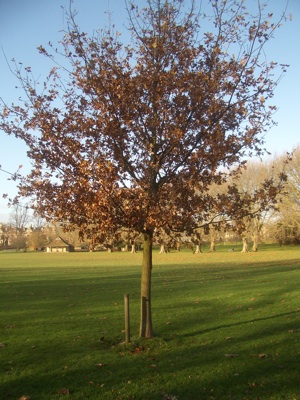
{"x":37,"y":239}
{"x":250,"y":183}
{"x":196,"y":239}
{"x":4,"y":236}
{"x":286,"y":222}
{"x":19,"y":217}
{"x":166,"y":239}
{"x":19,"y":242}
{"x":37,"y":222}
{"x":215,"y":233}
{"x":131,"y":239}
{"x":133,"y":134}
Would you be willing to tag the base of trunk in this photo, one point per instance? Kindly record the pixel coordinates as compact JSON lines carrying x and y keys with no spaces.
{"x":146,"y":330}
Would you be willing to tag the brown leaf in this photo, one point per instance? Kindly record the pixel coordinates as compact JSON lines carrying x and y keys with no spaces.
{"x":138,"y":350}
{"x":63,"y":391}
{"x":231,"y":355}
{"x":260,"y":355}
{"x":24,"y":398}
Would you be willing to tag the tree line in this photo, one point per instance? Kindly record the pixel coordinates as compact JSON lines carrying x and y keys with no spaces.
{"x":279,"y":224}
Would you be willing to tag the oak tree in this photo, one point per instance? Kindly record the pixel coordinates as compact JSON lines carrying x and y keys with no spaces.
{"x":132,"y":133}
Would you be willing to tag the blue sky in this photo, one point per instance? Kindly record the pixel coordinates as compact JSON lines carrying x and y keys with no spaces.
{"x":24,"y":25}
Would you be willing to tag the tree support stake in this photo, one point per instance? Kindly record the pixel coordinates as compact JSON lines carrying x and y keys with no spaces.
{"x":127,"y":322}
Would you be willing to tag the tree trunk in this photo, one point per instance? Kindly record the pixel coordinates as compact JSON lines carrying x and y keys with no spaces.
{"x":163,"y":249}
{"x":146,"y":329}
{"x":126,"y":247}
{"x":133,"y":248}
{"x":212,"y":245}
{"x":198,"y":248}
{"x":255,"y":243}
{"x":245,"y":245}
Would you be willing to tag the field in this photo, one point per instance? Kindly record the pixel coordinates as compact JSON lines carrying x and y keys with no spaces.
{"x":227,"y":326}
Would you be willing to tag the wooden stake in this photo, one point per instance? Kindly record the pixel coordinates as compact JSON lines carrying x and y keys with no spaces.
{"x":127,"y":323}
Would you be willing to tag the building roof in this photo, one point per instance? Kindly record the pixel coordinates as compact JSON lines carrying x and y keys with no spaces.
{"x":58,"y":242}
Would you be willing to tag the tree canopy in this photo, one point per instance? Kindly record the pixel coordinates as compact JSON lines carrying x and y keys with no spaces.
{"x":134,"y":134}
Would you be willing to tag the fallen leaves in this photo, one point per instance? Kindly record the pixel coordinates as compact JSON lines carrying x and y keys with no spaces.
{"x":260,"y":355}
{"x":138,"y":350}
{"x":63,"y":391}
{"x":232,"y":355}
{"x":25,"y":398}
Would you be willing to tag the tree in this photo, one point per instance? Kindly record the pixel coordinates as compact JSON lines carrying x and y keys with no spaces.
{"x":19,"y":217}
{"x":130,"y":239}
{"x":250,"y":182}
{"x":286,"y":223}
{"x":131,"y":135}
{"x":37,"y":239}
{"x":4,"y":236}
{"x":166,"y":240}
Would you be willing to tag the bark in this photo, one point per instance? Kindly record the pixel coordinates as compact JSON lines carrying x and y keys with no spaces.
{"x":146,"y":329}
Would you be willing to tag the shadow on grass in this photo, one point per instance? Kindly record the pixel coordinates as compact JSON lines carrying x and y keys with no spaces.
{"x":182,"y":369}
{"x":241,"y":323}
{"x":64,"y":333}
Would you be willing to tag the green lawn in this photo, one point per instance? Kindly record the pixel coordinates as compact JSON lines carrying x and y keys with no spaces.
{"x":227,"y":326}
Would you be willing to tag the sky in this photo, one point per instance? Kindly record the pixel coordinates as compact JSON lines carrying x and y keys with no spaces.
{"x":26,"y":24}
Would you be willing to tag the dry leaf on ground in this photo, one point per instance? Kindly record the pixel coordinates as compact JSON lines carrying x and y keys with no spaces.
{"x":63,"y":391}
{"x":261,"y":355}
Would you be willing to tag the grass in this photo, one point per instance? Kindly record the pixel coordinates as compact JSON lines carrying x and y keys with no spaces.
{"x":227,"y":326}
